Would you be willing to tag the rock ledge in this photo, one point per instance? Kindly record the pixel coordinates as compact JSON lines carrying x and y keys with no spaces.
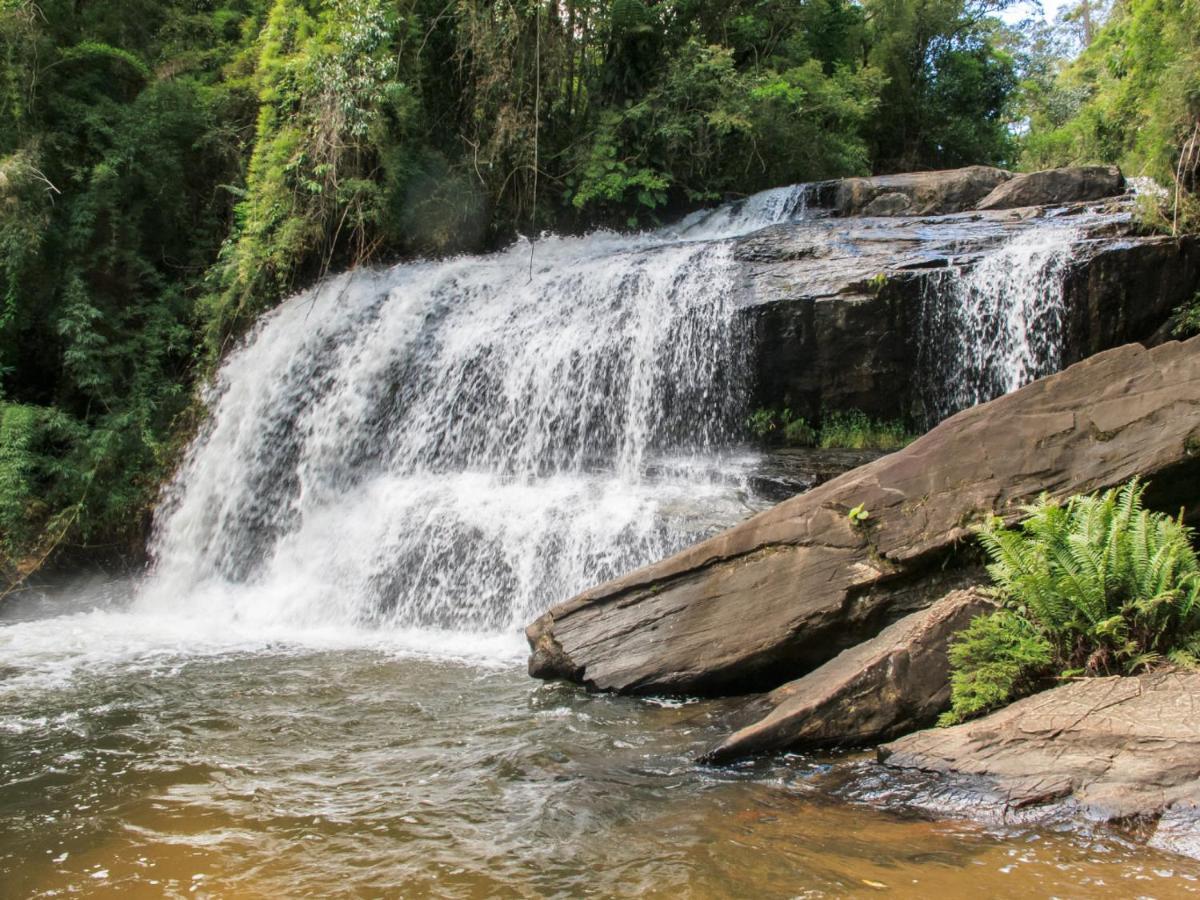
{"x":1123,"y":751}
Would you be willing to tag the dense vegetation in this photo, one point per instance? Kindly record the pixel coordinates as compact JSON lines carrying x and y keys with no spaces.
{"x":1131,"y":97}
{"x":838,"y":430}
{"x":171,"y":168}
{"x":1096,"y":586}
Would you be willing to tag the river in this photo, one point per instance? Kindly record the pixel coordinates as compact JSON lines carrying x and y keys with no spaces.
{"x":144,"y":758}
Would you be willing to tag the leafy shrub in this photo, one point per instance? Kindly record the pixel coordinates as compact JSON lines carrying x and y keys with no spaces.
{"x":852,"y":430}
{"x":799,"y":433}
{"x":855,"y":430}
{"x":995,"y":660}
{"x":773,"y":425}
{"x":1185,"y":320}
{"x":36,"y":481}
{"x":1097,"y":586}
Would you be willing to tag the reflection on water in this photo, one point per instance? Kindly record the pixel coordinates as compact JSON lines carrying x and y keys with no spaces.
{"x":379,"y":771}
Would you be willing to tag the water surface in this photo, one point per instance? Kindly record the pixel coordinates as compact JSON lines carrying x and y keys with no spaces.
{"x":148,"y":756}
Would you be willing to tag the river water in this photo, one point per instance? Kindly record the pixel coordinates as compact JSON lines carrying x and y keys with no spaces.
{"x":318,"y":688}
{"x":152,"y":757}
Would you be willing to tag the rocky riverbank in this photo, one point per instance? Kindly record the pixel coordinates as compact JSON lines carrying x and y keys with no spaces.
{"x":785,"y":591}
{"x":1121,"y":751}
{"x":848,"y":621}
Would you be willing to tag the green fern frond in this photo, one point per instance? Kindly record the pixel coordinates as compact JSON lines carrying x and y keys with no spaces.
{"x":1103,"y":581}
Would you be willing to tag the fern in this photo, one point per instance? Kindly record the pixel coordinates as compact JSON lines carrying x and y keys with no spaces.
{"x":1108,"y":586}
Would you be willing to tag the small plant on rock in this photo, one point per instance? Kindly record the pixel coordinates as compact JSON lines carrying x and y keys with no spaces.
{"x":1096,"y":586}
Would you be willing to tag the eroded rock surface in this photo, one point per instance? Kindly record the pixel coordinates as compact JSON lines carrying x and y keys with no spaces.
{"x":1067,"y":185}
{"x":918,"y":193}
{"x":837,"y":306}
{"x":1123,"y":750}
{"x":788,"y":589}
{"x":894,"y":683}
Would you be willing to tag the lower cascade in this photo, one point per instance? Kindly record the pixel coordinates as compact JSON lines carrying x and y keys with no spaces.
{"x":456,"y":445}
{"x":452,"y":444}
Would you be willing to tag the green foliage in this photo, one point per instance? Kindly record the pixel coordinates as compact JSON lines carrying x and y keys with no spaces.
{"x":170,"y":169}
{"x":948,"y":84}
{"x":1185,"y":320}
{"x":849,"y":430}
{"x":1104,"y":584}
{"x":998,"y":658}
{"x":1130,"y":97}
{"x":798,"y":433}
{"x":781,"y":425}
{"x":859,"y":516}
{"x":855,"y":430}
{"x":36,"y":482}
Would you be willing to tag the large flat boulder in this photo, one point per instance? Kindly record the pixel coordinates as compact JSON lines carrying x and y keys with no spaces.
{"x":1068,"y":185}
{"x":917,"y":193}
{"x":894,"y":683}
{"x":1118,"y":750}
{"x":790,"y":588}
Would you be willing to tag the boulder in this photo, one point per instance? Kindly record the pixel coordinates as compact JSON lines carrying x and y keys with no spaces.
{"x":917,"y":193}
{"x":892,"y":684}
{"x":1121,"y":750}
{"x":789,"y":588}
{"x":1070,"y":185}
{"x":891,"y":204}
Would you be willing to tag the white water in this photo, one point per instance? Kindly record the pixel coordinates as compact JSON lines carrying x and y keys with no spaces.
{"x":422,"y":459}
{"x":457,"y":445}
{"x":996,"y":326}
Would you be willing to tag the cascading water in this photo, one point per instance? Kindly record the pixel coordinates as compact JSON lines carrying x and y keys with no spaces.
{"x":460,"y":444}
{"x":317,"y":691}
{"x":995,"y":326}
{"x":772,"y":207}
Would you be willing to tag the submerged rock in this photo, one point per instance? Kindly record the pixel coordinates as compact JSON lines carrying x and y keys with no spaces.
{"x":893,"y":683}
{"x":1117,"y":750}
{"x":788,"y":589}
{"x":783,"y":473}
{"x":1068,"y":185}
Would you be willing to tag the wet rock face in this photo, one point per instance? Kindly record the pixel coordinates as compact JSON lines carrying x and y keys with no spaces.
{"x":1068,"y":185}
{"x":889,"y":685}
{"x":836,"y":304}
{"x":788,"y":589}
{"x":971,"y":188}
{"x":1112,"y":749}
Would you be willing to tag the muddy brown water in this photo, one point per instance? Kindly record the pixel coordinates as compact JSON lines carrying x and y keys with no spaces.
{"x":150,"y":758}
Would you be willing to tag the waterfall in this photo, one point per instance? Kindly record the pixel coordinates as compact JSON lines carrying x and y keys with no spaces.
{"x":991,"y":327}
{"x":459,"y":444}
{"x":772,"y":207}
